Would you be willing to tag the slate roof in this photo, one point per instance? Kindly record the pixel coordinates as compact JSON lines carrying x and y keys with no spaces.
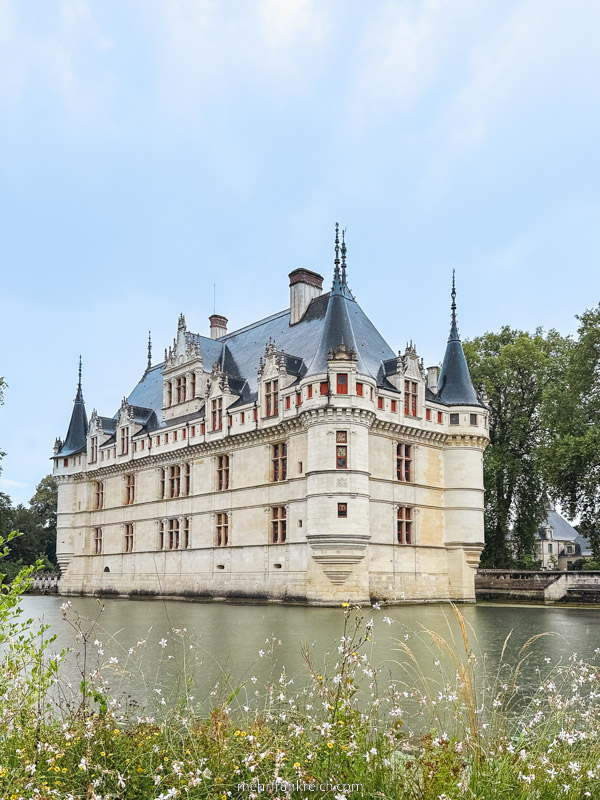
{"x":455,"y":387}
{"x":564,"y":532}
{"x":76,"y":441}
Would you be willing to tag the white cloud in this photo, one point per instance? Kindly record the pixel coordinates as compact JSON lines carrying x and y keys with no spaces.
{"x":6,"y":483}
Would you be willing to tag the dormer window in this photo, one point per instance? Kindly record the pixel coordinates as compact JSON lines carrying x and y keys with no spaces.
{"x":124,"y":440}
{"x":180,"y":389}
{"x":93,"y":449}
{"x":410,"y":398}
{"x":217,"y":414}
{"x":272,"y":398}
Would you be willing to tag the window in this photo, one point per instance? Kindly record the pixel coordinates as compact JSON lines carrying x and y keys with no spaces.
{"x":324,"y":387}
{"x":255,"y":414}
{"x":129,"y":537}
{"x":93,"y":449}
{"x":394,"y":406}
{"x":65,"y":462}
{"x":298,"y":398}
{"x":454,"y":419}
{"x":203,"y":428}
{"x":161,"y":535}
{"x":193,"y":430}
{"x":174,"y":480}
{"x":169,"y":393}
{"x":570,"y":548}
{"x":222,"y":473}
{"x":163,"y":474}
{"x":186,"y":533}
{"x":124,"y":441}
{"x":279,"y":462}
{"x":473,"y":419}
{"x":180,"y":388}
{"x":217,"y":414}
{"x":428,"y":414}
{"x":300,"y":467}
{"x":174,"y":436}
{"x":193,"y":386}
{"x":342,"y":383}
{"x":166,"y":438}
{"x":183,"y":434}
{"x":309,"y":392}
{"x":278,"y":524}
{"x":342,"y":510}
{"x":404,"y":525}
{"x":288,"y":402}
{"x":404,"y":462}
{"x":143,"y":444}
{"x":97,"y":541}
{"x":229,"y":420}
{"x":440,"y":417}
{"x":157,"y":440}
{"x":410,"y":398}
{"x":341,"y":449}
{"x":99,"y":494}
{"x":272,"y":398}
{"x":380,"y":402}
{"x":549,"y":547}
{"x":359,"y":389}
{"x":243,"y":415}
{"x":222,"y":530}
{"x":173,"y":525}
{"x":129,"y":489}
{"x":187,"y":479}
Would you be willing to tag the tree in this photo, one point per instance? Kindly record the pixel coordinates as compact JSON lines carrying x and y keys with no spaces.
{"x":573,"y":454}
{"x":43,"y":505}
{"x":516,"y":370}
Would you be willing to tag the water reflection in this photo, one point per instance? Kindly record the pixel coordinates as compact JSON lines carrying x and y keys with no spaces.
{"x":228,"y":639}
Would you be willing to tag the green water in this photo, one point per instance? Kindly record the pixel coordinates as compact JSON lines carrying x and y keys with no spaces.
{"x":226,"y":640}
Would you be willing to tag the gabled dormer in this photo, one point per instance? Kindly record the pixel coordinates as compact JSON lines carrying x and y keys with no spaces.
{"x":273,"y":377}
{"x":342,"y":366}
{"x":184,"y":379}
{"x":219,"y":397}
{"x":407,"y":374}
{"x":100,"y":430}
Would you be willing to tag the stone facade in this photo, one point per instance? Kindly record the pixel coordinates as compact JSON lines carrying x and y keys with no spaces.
{"x":326,"y":469}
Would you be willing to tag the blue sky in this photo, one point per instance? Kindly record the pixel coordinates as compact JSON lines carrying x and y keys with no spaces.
{"x":150,"y":148}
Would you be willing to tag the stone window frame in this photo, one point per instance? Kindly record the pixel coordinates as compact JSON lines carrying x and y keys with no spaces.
{"x":278,"y":524}
{"x":223,"y":475}
{"x":222,"y":528}
{"x":411,"y":520}
{"x":342,"y":442}
{"x":97,"y":540}
{"x":272,"y":397}
{"x":401,"y":459}
{"x":216,"y":408}
{"x":129,"y":484}
{"x":411,"y":398}
{"x":128,"y":537}
{"x":278,"y":462}
{"x":98,"y":495}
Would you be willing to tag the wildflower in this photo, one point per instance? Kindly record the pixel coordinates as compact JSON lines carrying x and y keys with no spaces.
{"x":345,"y":605}
{"x":163,"y":643}
{"x":387,"y":620}
{"x":83,"y":764}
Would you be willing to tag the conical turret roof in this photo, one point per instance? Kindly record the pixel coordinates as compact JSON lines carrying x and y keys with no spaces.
{"x":76,"y":440}
{"x":455,"y":387}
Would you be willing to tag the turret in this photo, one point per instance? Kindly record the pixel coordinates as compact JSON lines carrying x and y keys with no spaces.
{"x":76,"y":441}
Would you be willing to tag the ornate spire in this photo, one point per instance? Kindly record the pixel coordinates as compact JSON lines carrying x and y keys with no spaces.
{"x":149,"y":352}
{"x":79,"y":395}
{"x":336,"y":270}
{"x":344,"y":257}
{"x":453,"y":326}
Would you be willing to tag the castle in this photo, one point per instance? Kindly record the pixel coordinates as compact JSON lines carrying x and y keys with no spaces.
{"x":298,"y":458}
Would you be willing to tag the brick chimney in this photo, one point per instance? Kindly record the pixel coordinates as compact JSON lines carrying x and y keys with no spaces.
{"x":218,"y":326}
{"x":304,"y":287}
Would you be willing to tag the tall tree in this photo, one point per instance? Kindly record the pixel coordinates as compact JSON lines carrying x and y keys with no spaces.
{"x":43,"y":505}
{"x":573,"y":453}
{"x":516,"y":370}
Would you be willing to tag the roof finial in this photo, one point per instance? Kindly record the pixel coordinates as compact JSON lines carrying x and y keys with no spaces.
{"x":344,"y":257}
{"x":149,"y":351}
{"x":336,"y":270}
{"x":453,"y":326}
{"x":79,"y":395}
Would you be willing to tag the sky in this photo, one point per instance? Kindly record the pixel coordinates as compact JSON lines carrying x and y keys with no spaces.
{"x":150,"y":149}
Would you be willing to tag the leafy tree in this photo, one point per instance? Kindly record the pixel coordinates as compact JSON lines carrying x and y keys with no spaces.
{"x":516,"y":370}
{"x":573,"y":454}
{"x":43,"y":505}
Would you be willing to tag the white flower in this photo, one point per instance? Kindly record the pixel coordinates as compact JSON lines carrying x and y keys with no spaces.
{"x":83,"y":764}
{"x":387,"y":620}
{"x":113,"y":660}
{"x":163,"y":643}
{"x":261,"y":653}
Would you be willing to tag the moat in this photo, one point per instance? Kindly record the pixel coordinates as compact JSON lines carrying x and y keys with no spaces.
{"x":224,"y":641}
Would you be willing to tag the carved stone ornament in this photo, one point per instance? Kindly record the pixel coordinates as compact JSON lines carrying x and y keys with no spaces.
{"x":341,"y":353}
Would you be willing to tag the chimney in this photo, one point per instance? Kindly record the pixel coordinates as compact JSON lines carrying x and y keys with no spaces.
{"x":218,"y":326}
{"x":304,"y":286}
{"x":432,"y":379}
